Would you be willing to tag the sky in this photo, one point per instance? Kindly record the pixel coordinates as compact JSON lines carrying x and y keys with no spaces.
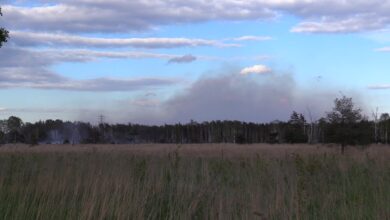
{"x":159,"y":61}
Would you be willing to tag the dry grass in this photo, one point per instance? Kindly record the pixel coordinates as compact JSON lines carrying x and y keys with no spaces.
{"x":205,"y":150}
{"x":194,"y":182}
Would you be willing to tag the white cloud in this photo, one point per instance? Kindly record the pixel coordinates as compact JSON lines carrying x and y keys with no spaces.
{"x":18,"y":57}
{"x":318,"y":16}
{"x":253,"y":38}
{"x":21,"y":68}
{"x":257,"y":69}
{"x":40,"y":78}
{"x":124,"y":16}
{"x":342,"y":25}
{"x":383,"y":49}
{"x":48,"y":39}
{"x":29,"y":68}
{"x":379,"y":87}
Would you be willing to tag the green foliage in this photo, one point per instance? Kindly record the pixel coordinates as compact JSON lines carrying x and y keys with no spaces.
{"x":344,"y":112}
{"x":295,"y":130}
{"x":4,"y":34}
{"x":338,"y":127}
{"x":240,"y":139}
{"x":14,"y":127}
{"x":14,"y":123}
{"x":384,"y":128}
{"x":345,"y":124}
{"x":2,"y":138}
{"x":361,"y":133}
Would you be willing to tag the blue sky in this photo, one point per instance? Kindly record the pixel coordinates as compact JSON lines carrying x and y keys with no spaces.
{"x":164,"y":62}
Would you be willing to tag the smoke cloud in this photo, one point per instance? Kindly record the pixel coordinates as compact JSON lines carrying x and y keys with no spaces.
{"x":251,"y":98}
{"x":245,"y":98}
{"x":217,"y":96}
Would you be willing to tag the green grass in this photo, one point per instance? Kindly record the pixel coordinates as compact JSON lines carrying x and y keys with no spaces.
{"x":121,"y":185}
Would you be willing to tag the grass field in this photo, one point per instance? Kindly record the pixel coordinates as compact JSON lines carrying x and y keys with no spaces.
{"x":194,"y":182}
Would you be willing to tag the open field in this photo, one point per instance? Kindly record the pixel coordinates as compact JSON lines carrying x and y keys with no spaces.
{"x":194,"y":182}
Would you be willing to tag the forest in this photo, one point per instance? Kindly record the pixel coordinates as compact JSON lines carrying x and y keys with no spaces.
{"x":345,"y":125}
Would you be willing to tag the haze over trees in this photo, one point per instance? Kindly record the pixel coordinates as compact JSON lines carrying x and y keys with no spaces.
{"x":4,"y":34}
{"x":344,"y":125}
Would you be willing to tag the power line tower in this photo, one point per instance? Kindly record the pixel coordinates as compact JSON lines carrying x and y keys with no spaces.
{"x":101,"y":119}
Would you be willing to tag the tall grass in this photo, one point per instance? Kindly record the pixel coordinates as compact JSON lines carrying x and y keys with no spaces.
{"x":97,"y":184}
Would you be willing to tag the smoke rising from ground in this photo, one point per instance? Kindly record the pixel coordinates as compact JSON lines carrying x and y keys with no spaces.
{"x":231,"y":96}
{"x":247,"y":98}
{"x":219,"y":96}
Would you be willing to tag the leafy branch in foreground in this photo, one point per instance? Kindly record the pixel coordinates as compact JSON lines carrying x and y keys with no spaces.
{"x":4,"y":34}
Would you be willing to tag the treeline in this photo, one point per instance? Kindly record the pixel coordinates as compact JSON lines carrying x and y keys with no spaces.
{"x":344,"y":125}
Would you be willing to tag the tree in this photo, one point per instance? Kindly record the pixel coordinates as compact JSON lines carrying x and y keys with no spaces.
{"x":295,"y":132}
{"x":297,"y":119}
{"x":384,"y":122}
{"x":384,"y":117}
{"x":4,"y":34}
{"x":14,"y":125}
{"x":2,"y":138}
{"x":343,"y":120}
